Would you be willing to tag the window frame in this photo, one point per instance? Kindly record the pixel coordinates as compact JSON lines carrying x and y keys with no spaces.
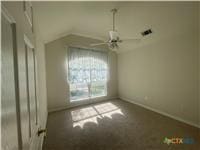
{"x":89,"y":88}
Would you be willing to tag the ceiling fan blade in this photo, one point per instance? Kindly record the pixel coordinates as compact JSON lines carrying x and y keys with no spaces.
{"x":97,"y":44}
{"x":131,"y":40}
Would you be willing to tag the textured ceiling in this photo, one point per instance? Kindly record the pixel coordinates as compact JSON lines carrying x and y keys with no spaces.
{"x":94,"y":19}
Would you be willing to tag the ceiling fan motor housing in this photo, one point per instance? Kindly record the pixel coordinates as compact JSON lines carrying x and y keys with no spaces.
{"x":113,"y":36}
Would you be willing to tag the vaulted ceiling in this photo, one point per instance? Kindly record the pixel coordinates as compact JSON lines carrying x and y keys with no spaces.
{"x":94,"y":19}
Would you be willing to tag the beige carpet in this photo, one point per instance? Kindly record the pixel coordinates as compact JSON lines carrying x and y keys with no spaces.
{"x":116,"y":125}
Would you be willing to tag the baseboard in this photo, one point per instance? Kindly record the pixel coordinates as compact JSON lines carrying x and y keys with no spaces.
{"x":87,"y":103}
{"x":161,"y":112}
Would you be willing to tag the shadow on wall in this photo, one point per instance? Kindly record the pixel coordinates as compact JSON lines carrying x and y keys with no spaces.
{"x":94,"y":114}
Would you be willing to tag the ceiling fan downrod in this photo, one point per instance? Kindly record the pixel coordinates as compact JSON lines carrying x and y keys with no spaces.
{"x":114,"y":11}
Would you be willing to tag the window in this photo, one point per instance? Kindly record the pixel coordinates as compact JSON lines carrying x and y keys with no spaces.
{"x":88,"y":72}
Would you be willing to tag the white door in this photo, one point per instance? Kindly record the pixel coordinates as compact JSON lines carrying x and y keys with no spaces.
{"x":19,"y":117}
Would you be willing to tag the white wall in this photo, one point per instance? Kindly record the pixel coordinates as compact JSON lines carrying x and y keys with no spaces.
{"x":56,"y":72}
{"x":164,"y":74}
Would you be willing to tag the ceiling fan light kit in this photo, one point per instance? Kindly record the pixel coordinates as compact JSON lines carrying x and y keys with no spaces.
{"x":114,"y":38}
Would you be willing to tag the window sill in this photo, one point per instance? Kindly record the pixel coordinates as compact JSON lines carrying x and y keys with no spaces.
{"x":87,"y":99}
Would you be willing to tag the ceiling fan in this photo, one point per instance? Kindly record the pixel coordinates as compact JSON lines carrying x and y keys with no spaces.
{"x":114,"y":38}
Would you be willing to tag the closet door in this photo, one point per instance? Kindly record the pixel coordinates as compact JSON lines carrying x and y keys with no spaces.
{"x":8,"y":86}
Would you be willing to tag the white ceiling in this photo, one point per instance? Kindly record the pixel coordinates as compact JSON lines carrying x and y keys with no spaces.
{"x":94,"y":19}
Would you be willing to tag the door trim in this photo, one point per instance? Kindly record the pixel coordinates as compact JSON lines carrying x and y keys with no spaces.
{"x":7,"y":15}
{"x":28,"y":42}
{"x":30,"y":45}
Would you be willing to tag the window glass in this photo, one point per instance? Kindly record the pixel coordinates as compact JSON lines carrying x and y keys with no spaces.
{"x":87,"y":74}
